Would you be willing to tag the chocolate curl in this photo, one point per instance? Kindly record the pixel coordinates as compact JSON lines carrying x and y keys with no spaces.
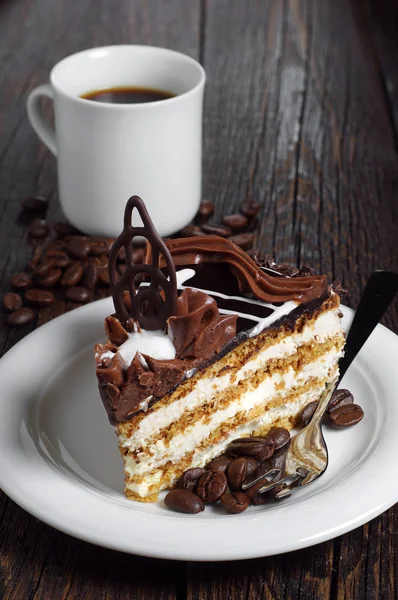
{"x":251,"y":279}
{"x":151,"y":305}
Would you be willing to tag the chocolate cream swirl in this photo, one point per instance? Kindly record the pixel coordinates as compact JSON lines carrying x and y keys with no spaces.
{"x":251,"y":279}
{"x":198,"y":330}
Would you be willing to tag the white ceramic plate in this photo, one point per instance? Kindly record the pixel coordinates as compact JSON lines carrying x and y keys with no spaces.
{"x":60,"y":461}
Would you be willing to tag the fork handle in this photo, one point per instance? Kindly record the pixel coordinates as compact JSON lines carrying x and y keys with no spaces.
{"x":380,"y":290}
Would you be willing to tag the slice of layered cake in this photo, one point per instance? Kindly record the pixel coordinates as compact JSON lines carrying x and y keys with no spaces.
{"x":207,"y":346}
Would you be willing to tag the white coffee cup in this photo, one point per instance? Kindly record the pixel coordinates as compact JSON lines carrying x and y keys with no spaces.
{"x":109,"y":152}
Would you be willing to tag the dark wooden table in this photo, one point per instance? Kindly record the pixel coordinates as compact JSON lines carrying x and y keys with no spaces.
{"x":301,"y":113}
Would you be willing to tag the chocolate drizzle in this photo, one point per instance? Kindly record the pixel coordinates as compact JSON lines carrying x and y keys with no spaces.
{"x":252,"y":280}
{"x":151,"y":305}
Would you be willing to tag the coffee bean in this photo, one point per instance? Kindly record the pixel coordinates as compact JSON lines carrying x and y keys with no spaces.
{"x":63,"y":228}
{"x":78,"y":248}
{"x":99,"y":246}
{"x":221,"y":230}
{"x":235,"y":222}
{"x":307,"y":413}
{"x":236,"y":473}
{"x":12,"y":301}
{"x":21,"y":281}
{"x":258,"y":448}
{"x":60,"y":258}
{"x":21,"y":317}
{"x":252,"y":465}
{"x":34,"y":204}
{"x":51,"y":279}
{"x":121,"y":268}
{"x":206,"y":208}
{"x":191,"y":231}
{"x":235,"y":502}
{"x":255,"y":498}
{"x":189,"y":479}
{"x":280,"y":435}
{"x":39,"y":297}
{"x":77,"y":294}
{"x":55,"y":253}
{"x":184,"y":501}
{"x":103,"y":276}
{"x":211,"y":486}
{"x":37,"y":254}
{"x":243,"y":240}
{"x":38,"y":228}
{"x":346,"y":415}
{"x":90,"y":276}
{"x":43,"y":268}
{"x":102,"y":261}
{"x":220,"y":463}
{"x":58,"y":244}
{"x":340,"y":398}
{"x":73,"y":274}
{"x":250,"y":208}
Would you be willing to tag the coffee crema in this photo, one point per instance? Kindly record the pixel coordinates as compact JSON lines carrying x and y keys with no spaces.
{"x":128,"y":95}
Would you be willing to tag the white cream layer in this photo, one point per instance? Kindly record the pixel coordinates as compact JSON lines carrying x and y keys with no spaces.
{"x":159,"y":453}
{"x":327,"y":325}
{"x":201,"y":458}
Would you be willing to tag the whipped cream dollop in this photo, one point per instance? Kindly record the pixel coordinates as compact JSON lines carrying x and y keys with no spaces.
{"x":154,"y":343}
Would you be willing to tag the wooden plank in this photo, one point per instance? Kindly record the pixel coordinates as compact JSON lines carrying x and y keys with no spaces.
{"x":37,"y":561}
{"x":380,"y":31}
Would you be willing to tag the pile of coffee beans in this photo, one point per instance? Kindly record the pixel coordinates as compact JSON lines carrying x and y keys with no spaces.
{"x":65,"y":265}
{"x":239,"y":227}
{"x":222,"y":479}
{"x":247,"y":459}
{"x":341,"y":411}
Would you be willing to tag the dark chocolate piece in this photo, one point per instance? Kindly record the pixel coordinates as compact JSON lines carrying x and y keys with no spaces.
{"x":151,"y":305}
{"x":251,"y":279}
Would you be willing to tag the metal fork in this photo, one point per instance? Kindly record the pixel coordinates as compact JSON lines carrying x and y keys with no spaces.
{"x":307,"y":457}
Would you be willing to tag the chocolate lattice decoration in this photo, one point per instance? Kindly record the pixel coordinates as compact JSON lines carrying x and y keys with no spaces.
{"x":151,"y":305}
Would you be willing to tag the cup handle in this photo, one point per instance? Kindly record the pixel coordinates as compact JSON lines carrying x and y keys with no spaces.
{"x":41,"y":127}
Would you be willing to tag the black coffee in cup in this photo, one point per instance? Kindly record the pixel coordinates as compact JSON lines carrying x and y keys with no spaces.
{"x":128,"y":95}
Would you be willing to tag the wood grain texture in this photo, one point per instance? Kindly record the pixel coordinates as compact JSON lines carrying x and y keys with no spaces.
{"x":300,"y":114}
{"x":380,"y":27}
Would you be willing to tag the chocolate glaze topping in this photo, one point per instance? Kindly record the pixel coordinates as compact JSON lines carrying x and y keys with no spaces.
{"x":252,"y":280}
{"x":151,"y":305}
